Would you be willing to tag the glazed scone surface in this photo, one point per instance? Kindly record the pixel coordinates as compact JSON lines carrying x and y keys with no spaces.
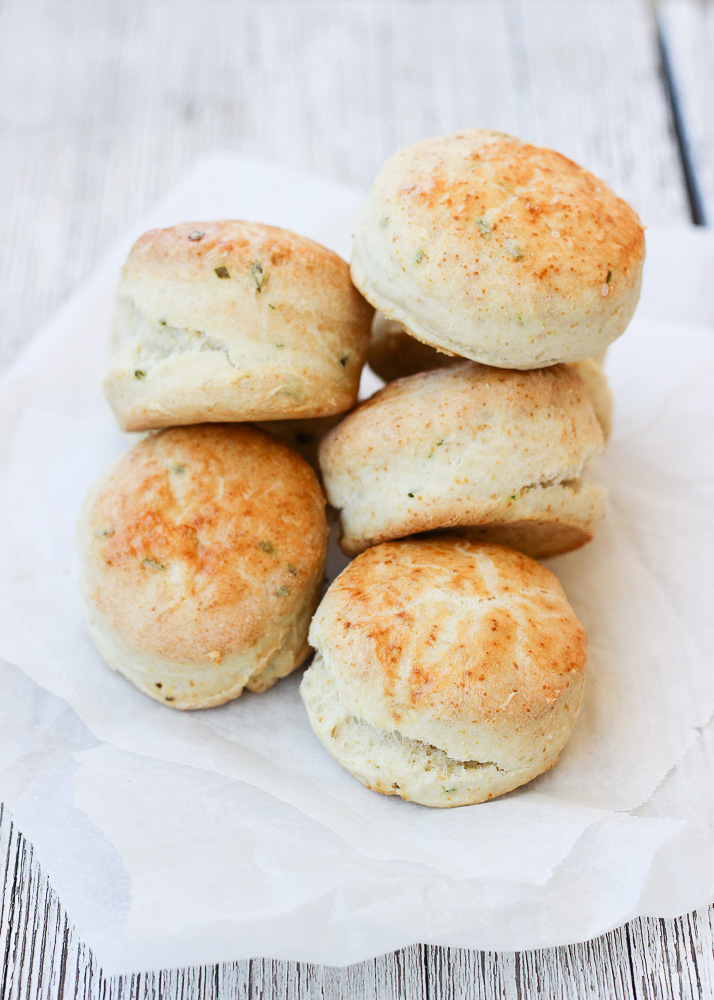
{"x":234,"y":321}
{"x":468,"y":446}
{"x":202,"y":554}
{"x":446,"y":671}
{"x":492,"y":249}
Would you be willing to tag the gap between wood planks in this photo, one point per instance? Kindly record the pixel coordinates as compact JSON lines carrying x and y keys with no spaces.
{"x":679,"y":127}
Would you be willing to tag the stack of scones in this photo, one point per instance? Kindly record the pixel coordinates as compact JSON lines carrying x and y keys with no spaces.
{"x":448,"y":664}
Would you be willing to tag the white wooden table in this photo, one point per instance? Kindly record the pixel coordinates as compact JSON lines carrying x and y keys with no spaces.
{"x":103,"y":104}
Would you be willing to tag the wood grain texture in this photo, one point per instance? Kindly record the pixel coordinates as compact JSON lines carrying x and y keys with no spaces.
{"x":647,"y":960}
{"x":41,"y":954}
{"x":103,"y":105}
{"x":687,"y":29}
{"x":674,"y":958}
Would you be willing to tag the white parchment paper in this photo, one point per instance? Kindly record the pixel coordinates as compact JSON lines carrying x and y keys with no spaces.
{"x":221,"y":834}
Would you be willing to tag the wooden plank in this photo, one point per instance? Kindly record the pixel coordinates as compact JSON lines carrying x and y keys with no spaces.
{"x":458,"y":974}
{"x":593,"y":89}
{"x":398,"y":974}
{"x":130,"y":94}
{"x":103,"y":105}
{"x":596,"y":969}
{"x":9,"y":864}
{"x":674,"y":958}
{"x":649,"y":959}
{"x":41,"y":954}
{"x":687,"y":31}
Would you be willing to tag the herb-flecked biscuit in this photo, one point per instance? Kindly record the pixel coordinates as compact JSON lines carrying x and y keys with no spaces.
{"x":493,"y":453}
{"x":234,"y":321}
{"x":446,"y":672}
{"x":492,"y":249}
{"x":202,"y":552}
{"x":595,"y":381}
{"x":394,"y":354}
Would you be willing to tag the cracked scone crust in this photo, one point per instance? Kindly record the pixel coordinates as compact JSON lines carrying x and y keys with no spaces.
{"x":202,"y":552}
{"x":490,"y":248}
{"x":234,"y":321}
{"x":447,"y":672}
{"x":494,"y":452}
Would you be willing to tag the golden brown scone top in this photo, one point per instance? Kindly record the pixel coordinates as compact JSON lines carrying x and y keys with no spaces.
{"x":555,"y":223}
{"x":199,"y":534}
{"x":449,"y":629}
{"x":493,"y":249}
{"x":542,"y":409}
{"x":240,"y":251}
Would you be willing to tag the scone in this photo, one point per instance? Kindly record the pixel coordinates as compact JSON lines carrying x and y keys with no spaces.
{"x":302,"y":435}
{"x":394,"y":354}
{"x":595,"y":380}
{"x":234,"y":321}
{"x":202,"y":553}
{"x":446,"y":672}
{"x":494,"y":453}
{"x":496,"y":250}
